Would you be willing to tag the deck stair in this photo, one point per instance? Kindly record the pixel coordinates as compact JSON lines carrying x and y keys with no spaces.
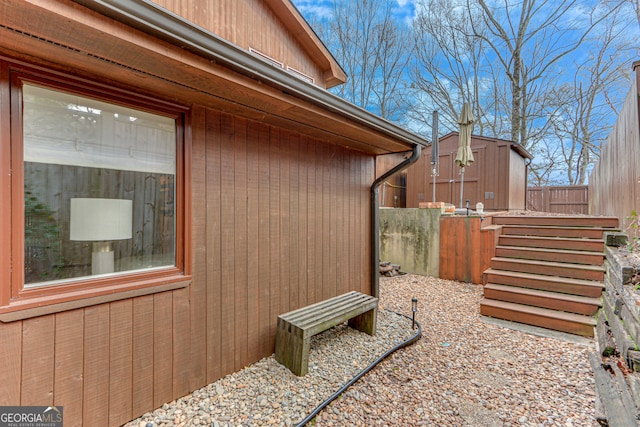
{"x":548,"y":271}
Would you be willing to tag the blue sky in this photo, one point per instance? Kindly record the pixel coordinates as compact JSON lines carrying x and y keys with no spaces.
{"x":322,"y":8}
{"x":562,"y":72}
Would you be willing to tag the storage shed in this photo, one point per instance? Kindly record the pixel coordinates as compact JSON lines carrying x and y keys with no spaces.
{"x":174,"y":175}
{"x":497,"y":177}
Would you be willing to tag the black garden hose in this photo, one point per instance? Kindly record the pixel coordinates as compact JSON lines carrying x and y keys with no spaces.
{"x":344,"y":388}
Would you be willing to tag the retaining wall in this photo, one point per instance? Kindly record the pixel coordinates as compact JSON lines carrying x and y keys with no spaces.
{"x":616,"y":363}
{"x":411,"y":238}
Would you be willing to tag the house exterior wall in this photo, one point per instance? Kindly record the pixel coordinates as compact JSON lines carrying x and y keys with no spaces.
{"x":276,"y":219}
{"x":248,"y":24}
{"x":279,"y":220}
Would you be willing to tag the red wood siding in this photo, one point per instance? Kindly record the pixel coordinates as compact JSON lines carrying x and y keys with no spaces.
{"x":38,"y":352}
{"x":11,"y":360}
{"x":249,"y":23}
{"x":96,"y":364}
{"x":280,"y":220}
{"x":68,"y":364}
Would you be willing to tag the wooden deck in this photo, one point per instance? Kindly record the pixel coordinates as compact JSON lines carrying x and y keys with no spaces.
{"x":547,"y":271}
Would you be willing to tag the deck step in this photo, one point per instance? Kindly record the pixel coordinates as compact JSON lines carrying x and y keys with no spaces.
{"x":547,"y":271}
{"x":554,"y":231}
{"x":564,"y":220}
{"x":575,"y":244}
{"x":551,"y":319}
{"x":557,"y":255}
{"x":547,"y":268}
{"x":545,"y":299}
{"x":586,"y":288}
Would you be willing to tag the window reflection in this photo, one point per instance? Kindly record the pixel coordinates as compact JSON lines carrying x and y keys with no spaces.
{"x":80,"y":148}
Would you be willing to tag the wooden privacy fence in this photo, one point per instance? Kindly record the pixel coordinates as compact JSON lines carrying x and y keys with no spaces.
{"x":615,"y":180}
{"x":571,"y":199}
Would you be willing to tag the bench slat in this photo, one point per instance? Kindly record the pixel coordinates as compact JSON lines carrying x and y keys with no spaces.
{"x":329,"y":322}
{"x":312,"y":307}
{"x":328,"y":319}
{"x":301,"y":318}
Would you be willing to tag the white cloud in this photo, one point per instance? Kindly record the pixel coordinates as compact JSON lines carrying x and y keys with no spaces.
{"x":308,"y":8}
{"x":406,"y":11}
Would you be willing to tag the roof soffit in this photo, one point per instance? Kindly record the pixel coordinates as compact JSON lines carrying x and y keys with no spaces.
{"x":86,"y":41}
{"x":148,"y":17}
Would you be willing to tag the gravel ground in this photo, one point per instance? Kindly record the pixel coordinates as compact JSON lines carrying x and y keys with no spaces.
{"x":463,"y":372}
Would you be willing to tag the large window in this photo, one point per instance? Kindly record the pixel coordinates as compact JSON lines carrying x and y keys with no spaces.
{"x":101,"y":187}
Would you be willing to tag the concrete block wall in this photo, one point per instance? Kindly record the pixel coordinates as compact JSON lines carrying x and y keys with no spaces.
{"x":411,"y":237}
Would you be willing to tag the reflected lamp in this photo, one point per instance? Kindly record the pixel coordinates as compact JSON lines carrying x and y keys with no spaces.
{"x":101,"y":221}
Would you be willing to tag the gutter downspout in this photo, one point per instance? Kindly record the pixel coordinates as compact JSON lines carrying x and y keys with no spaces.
{"x":526,"y":183}
{"x":375,"y":217}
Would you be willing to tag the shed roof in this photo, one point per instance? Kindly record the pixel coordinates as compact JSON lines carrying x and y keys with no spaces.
{"x":514,"y":146}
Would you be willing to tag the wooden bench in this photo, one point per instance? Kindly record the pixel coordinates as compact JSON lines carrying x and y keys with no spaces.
{"x":296,"y":328}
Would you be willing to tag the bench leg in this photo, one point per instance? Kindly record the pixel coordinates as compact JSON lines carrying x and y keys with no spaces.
{"x":365,"y":322}
{"x":292,"y":350}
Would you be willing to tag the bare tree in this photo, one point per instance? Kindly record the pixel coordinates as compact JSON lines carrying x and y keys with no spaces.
{"x":529,"y":39}
{"x":372,"y":47}
{"x":579,"y":121}
{"x":520,"y":65}
{"x":391,"y":59}
{"x":636,"y":6}
{"x":548,"y":158}
{"x":450,"y":69}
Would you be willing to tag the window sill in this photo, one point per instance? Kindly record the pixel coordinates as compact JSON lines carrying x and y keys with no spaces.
{"x":33,"y":307}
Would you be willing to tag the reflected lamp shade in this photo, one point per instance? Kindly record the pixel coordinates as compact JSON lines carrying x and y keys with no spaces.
{"x":95,"y":219}
{"x":101,"y":221}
